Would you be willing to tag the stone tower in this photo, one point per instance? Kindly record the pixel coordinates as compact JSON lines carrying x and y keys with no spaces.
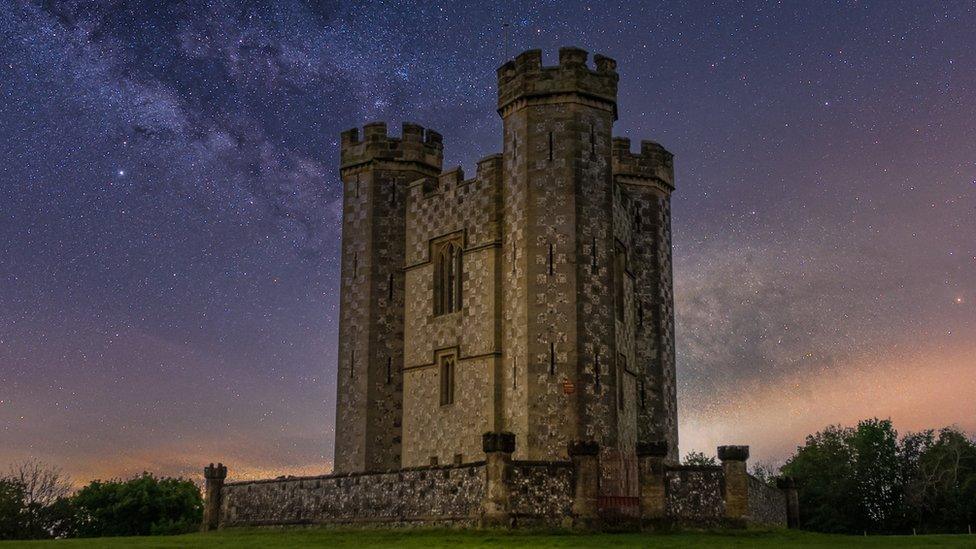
{"x":533,"y":298}
{"x":375,"y":172}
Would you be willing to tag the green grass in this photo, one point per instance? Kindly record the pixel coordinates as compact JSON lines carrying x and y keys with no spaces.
{"x":428,"y":539}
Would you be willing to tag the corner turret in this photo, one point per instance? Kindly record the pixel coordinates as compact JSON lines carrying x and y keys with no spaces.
{"x":653,"y":163}
{"x":416,"y":144}
{"x":524,"y":78}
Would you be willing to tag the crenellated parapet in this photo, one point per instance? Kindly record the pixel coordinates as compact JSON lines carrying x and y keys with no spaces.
{"x":524,"y":80}
{"x":653,"y":164}
{"x":421,"y":146}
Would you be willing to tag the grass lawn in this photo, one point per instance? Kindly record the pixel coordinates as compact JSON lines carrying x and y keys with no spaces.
{"x":327,"y":537}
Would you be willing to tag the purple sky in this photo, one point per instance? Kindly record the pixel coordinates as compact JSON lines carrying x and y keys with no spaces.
{"x":169,"y":210}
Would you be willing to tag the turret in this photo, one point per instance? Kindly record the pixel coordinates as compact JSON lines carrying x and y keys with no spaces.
{"x":524,"y":78}
{"x":653,"y":163}
{"x":376,"y":169}
{"x":416,"y":145}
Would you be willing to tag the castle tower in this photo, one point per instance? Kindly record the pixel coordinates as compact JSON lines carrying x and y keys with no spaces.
{"x":647,"y":180}
{"x":558,"y":323}
{"x":375,"y":173}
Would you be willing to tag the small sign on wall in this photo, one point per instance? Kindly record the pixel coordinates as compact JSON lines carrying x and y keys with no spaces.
{"x":569,"y":387}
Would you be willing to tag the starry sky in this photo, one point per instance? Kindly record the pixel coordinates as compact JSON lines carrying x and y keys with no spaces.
{"x":169,"y":210}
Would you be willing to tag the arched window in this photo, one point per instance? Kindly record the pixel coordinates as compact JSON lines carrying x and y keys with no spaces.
{"x":447,"y":277}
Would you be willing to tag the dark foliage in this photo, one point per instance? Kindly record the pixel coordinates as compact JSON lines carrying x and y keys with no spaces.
{"x":861,"y":479}
{"x":141,"y":506}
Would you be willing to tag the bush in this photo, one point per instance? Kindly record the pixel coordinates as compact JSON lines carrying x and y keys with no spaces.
{"x":142,"y":506}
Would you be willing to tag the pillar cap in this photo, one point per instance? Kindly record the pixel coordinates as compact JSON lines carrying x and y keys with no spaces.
{"x":498,"y":442}
{"x":584,"y":448}
{"x":218,"y":472}
{"x":733,"y":453}
{"x":653,"y":448}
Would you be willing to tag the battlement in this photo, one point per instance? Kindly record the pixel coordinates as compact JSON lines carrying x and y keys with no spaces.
{"x":525,"y":78}
{"x":218,"y":472}
{"x":415,"y":144}
{"x":488,"y":167}
{"x":652,"y":162}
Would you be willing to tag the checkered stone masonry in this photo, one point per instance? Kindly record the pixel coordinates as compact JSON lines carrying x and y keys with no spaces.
{"x":540,"y":349}
{"x":449,"y":206}
{"x":645,"y":181}
{"x":375,"y":172}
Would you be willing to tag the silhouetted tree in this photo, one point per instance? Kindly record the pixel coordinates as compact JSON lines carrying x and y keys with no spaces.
{"x":867,"y":479}
{"x":698,"y":459}
{"x":11,"y":509}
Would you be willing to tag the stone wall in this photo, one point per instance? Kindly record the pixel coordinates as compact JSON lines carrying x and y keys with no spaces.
{"x":695,"y":494}
{"x":501,"y":491}
{"x":767,"y":505}
{"x":429,"y":495}
{"x":541,"y":491}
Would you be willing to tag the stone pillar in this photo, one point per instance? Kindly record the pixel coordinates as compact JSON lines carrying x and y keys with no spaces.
{"x":214,"y":477}
{"x":788,"y":486}
{"x":651,"y":477}
{"x":736,"y":491}
{"x":496,"y":508}
{"x":586,"y":482}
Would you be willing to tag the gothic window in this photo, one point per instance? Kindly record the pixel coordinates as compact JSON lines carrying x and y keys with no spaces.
{"x":447,"y":276}
{"x":619,"y":269}
{"x":447,"y":363}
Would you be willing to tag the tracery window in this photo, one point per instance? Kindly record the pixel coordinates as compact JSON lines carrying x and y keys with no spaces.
{"x":447,"y":276}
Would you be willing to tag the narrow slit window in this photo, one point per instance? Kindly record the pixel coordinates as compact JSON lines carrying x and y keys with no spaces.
{"x":389,"y":287}
{"x":619,"y":269}
{"x":513,"y":256}
{"x":550,"y":259}
{"x":593,"y":252}
{"x":389,"y":369}
{"x":393,"y":199}
{"x":352,"y":363}
{"x":552,"y":358}
{"x":355,"y":264}
{"x":447,"y":379}
{"x":550,"y":146}
{"x":596,"y":371}
{"x":515,"y":372}
{"x":357,"y":186}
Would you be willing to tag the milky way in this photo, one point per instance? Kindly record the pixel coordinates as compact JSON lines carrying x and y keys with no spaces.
{"x":169,"y":210}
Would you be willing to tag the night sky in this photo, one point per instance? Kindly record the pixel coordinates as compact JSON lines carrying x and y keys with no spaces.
{"x":169,"y":210}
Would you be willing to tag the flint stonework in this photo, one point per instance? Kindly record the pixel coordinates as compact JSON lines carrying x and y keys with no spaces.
{"x":538,"y":361}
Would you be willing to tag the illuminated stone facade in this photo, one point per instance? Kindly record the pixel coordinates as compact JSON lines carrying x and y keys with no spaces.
{"x":564,"y":324}
{"x":506,"y":347}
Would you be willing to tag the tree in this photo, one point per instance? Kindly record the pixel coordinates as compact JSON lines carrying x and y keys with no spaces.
{"x":698,"y":459}
{"x":41,"y":485}
{"x":942,"y":488}
{"x":137,"y":507}
{"x":824,"y":465}
{"x":11,"y":509}
{"x":766,"y":472}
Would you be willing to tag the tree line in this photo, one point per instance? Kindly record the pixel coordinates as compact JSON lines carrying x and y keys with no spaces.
{"x":867,"y":479}
{"x":853,"y":480}
{"x":37,"y":502}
